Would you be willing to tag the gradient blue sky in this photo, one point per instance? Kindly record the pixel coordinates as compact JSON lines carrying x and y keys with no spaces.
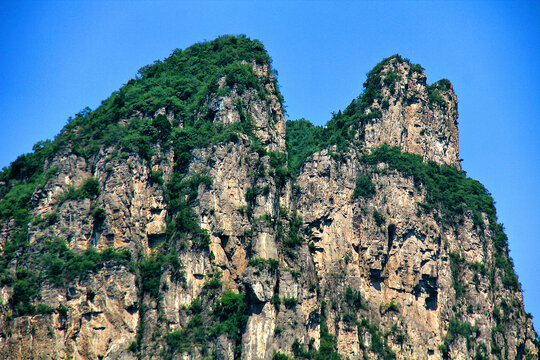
{"x":58,"y":57}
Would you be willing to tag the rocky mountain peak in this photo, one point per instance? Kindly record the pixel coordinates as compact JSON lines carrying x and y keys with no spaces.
{"x":258,"y":101}
{"x":175,"y":221}
{"x":417,"y":117}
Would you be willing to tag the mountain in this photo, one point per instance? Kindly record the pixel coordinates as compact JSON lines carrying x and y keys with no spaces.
{"x":185,"y":218}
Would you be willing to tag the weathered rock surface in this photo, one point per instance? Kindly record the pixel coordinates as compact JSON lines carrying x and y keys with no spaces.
{"x":368,"y":277}
{"x":421,"y":119}
{"x":100,"y":320}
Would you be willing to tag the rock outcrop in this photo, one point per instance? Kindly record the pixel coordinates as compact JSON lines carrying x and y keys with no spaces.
{"x":419,"y":118}
{"x":176,"y":230}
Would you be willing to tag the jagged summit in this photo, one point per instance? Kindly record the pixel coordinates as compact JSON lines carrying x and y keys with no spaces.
{"x":175,"y":221}
{"x":421,"y":119}
{"x":191,"y":87}
{"x":396,"y":108}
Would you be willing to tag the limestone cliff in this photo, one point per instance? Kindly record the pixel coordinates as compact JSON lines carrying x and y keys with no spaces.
{"x":168,"y":224}
{"x":420,"y":119}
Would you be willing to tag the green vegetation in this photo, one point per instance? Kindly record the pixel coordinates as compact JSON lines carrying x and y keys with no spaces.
{"x":213,"y":284}
{"x":294,"y":238}
{"x":44,"y":221}
{"x":228,"y":317}
{"x":364,"y":187}
{"x":434,"y":93}
{"x":44,"y":309}
{"x":24,"y":291}
{"x":342,"y":129}
{"x":180,"y":193}
{"x":182,"y":84}
{"x":299,"y":351}
{"x":99,"y":215}
{"x":378,"y":341}
{"x":194,"y":334}
{"x":379,"y":218}
{"x":89,"y":189}
{"x":276,"y":301}
{"x":290,"y":302}
{"x":262,"y":264}
{"x":354,"y":300}
{"x":155,"y":177}
{"x":133,"y":347}
{"x":27,"y":168}
{"x":279,"y":169}
{"x":503,"y":260}
{"x":230,"y":311}
{"x":62,"y":310}
{"x":303,"y":139}
{"x":151,"y":270}
{"x":456,"y":264}
{"x":448,"y":189}
{"x":280,"y":356}
{"x":60,"y":266}
{"x":458,"y":328}
{"x":391,"y":306}
{"x":327,"y":347}
{"x":17,"y":185}
{"x":64,"y":265}
{"x":252,"y":193}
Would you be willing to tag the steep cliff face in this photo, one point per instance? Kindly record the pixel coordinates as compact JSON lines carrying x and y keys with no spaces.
{"x":167,"y":224}
{"x":420,"y":119}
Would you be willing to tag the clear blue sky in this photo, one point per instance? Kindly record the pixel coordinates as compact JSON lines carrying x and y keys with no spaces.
{"x":58,"y":57}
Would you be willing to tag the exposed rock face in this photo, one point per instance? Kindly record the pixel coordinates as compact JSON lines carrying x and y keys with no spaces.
{"x":421,"y":119}
{"x":267,"y":115}
{"x":134,"y":203}
{"x":100,"y":320}
{"x":321,"y":271}
{"x":404,"y":261}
